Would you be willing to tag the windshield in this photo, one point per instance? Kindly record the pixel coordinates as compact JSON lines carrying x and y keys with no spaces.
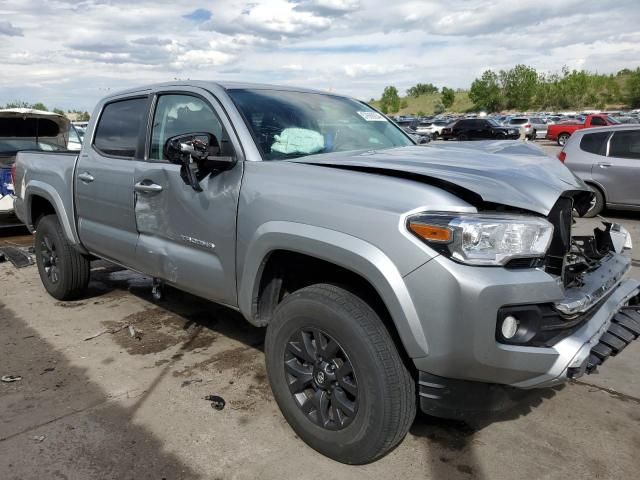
{"x":613,"y":120}
{"x":292,"y":124}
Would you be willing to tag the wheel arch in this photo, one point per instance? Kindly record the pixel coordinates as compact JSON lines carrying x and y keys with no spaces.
{"x":42,"y":199}
{"x":594,"y":184}
{"x":283,"y":245}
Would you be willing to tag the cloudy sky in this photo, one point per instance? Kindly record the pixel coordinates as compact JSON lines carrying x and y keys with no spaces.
{"x":69,"y":53}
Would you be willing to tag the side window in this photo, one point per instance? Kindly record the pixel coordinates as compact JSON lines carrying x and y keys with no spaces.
{"x":598,"y":121}
{"x":625,"y":144}
{"x":464,"y":124}
{"x":119,"y":126}
{"x":179,"y":114}
{"x":594,"y":142}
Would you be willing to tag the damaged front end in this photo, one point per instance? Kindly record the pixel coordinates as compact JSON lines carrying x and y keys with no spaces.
{"x":590,"y":269}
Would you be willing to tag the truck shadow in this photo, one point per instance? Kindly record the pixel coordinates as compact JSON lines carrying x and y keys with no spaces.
{"x":451,"y":444}
{"x":58,"y":423}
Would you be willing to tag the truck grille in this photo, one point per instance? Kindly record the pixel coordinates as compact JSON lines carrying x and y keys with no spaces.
{"x":561,"y":217}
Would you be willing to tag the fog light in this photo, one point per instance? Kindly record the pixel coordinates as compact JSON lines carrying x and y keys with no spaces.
{"x":509,"y":327}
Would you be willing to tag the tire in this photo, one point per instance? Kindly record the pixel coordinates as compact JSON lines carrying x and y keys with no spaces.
{"x":562,"y":139}
{"x":384,"y":405}
{"x":462,"y":138}
{"x":598,"y":205}
{"x":63,"y":270}
{"x":534,"y":136}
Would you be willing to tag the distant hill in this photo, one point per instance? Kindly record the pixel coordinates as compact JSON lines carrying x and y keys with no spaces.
{"x":426,"y":103}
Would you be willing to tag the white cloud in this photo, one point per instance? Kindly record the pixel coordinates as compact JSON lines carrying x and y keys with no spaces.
{"x":69,"y":53}
{"x":366,"y":69}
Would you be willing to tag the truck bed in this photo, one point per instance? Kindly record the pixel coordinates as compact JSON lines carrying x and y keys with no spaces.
{"x":51,"y":174}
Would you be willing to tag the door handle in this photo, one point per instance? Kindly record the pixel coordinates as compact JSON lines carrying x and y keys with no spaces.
{"x":604,"y":165}
{"x":143,"y":187}
{"x":86,"y":177}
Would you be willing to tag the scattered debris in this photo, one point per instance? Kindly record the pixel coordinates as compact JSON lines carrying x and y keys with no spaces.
{"x":186,"y":383}
{"x":47,"y":370}
{"x":39,"y":438}
{"x":107,"y":330}
{"x":132,"y":331}
{"x":20,"y":258}
{"x":11,"y":378}
{"x":216,"y":402}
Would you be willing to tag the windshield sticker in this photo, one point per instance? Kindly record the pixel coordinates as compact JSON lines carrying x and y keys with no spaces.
{"x":372,"y":116}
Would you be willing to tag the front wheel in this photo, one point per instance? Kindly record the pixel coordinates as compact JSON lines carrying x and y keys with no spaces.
{"x":562,"y":139}
{"x":337,"y":376}
{"x":63,"y":270}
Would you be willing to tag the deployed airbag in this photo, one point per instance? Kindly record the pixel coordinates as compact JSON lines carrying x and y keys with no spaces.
{"x":298,"y":140}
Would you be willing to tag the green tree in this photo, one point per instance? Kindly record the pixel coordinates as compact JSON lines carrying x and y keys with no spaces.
{"x":438,"y":108}
{"x":448,"y":97}
{"x":422,"y":89}
{"x":58,"y":111}
{"x":632,"y":88}
{"x":390,"y":100}
{"x":421,"y":113}
{"x":485,"y":92}
{"x":17,"y":104}
{"x":39,"y":106}
{"x":519,"y":86}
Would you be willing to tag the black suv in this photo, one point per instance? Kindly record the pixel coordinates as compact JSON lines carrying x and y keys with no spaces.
{"x":479,"y":129}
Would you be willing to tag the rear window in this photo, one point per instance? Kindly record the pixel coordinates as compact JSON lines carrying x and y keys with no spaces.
{"x":119,"y":126}
{"x":594,"y":142}
{"x":28,"y":127}
{"x":518,"y":121}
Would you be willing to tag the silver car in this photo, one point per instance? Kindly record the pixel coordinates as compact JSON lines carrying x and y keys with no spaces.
{"x":531,"y":127}
{"x":608,"y":160}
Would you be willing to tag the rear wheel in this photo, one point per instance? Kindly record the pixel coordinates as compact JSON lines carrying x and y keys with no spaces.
{"x":463,"y":137}
{"x":337,"y":376}
{"x":63,"y":270}
{"x":562,"y":139}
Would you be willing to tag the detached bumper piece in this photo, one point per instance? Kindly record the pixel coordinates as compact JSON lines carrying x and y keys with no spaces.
{"x":624,"y":328}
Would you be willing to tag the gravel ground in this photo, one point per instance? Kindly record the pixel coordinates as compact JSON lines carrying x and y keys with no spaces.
{"x":121,"y":407}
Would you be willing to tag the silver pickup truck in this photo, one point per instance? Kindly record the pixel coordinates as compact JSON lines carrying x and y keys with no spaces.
{"x":390,"y":276}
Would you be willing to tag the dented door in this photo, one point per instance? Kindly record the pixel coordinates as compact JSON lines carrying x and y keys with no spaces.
{"x":187,"y":238}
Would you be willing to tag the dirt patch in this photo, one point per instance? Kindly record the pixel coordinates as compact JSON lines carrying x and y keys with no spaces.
{"x":242,"y":360}
{"x":157,"y":329}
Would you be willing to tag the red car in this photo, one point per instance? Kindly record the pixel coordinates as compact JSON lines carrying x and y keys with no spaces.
{"x":560,"y":132}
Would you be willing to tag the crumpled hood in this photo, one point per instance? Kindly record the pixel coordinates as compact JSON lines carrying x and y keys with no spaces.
{"x":509,"y":173}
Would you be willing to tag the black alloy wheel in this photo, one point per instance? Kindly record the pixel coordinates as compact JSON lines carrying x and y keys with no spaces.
{"x":321,"y":378}
{"x":64,"y":271}
{"x":49,"y":257}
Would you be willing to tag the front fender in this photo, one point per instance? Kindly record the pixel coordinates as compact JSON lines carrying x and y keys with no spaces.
{"x":341,"y":249}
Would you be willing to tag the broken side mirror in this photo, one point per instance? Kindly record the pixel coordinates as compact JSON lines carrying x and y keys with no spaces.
{"x":199,"y":155}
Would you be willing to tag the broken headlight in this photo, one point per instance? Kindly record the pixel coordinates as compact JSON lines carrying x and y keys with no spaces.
{"x":483,"y":239}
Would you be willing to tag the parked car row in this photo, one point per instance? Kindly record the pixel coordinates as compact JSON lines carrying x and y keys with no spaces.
{"x":530,"y":126}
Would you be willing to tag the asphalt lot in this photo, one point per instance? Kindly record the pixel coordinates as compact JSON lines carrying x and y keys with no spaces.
{"x":119,"y":407}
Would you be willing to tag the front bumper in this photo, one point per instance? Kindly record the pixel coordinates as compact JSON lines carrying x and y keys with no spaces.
{"x":458,"y":306}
